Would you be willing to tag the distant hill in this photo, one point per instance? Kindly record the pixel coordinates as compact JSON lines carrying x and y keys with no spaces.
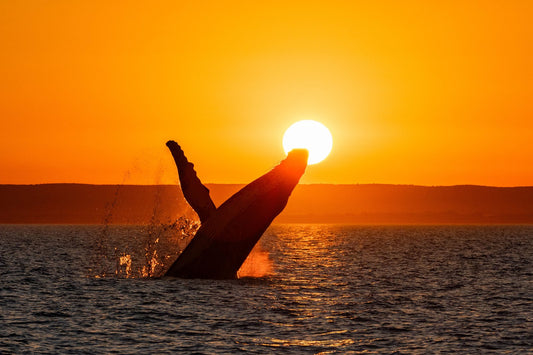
{"x":323,"y":203}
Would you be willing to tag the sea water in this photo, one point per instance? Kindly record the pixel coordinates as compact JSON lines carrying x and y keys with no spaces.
{"x":317,"y":289}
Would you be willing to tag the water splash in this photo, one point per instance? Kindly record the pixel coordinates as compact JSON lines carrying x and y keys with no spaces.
{"x":124,"y":265}
{"x":143,"y":251}
{"x":139,"y":251}
{"x":148,"y":251}
{"x":257,"y":264}
{"x":99,"y":264}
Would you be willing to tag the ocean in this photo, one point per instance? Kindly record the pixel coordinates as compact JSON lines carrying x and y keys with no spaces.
{"x":307,"y":288}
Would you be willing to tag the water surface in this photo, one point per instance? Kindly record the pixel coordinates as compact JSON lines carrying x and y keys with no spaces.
{"x":330,"y":289}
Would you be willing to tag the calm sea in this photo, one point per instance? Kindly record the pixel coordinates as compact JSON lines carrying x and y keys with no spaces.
{"x":313,"y":289}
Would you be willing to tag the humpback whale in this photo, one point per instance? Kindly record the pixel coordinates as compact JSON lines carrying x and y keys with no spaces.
{"x":228,"y":233}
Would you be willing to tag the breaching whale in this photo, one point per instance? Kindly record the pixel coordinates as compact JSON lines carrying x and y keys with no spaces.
{"x":228,"y":233}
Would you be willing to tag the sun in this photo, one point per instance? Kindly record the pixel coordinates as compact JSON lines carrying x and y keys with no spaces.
{"x":311,"y":135}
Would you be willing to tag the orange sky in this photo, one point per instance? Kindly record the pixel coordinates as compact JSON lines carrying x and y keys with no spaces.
{"x":414,"y":92}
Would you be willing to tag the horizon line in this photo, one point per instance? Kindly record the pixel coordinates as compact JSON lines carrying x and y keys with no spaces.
{"x":300,"y":184}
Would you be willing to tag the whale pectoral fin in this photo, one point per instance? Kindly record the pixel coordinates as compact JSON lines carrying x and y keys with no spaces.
{"x":196,"y":194}
{"x":222,"y":244}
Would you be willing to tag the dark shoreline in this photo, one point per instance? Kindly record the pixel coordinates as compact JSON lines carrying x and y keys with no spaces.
{"x":365,"y":204}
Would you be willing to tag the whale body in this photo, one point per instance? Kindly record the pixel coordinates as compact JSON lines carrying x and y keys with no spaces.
{"x":228,"y":233}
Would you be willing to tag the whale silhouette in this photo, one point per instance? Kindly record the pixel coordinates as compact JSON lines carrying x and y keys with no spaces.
{"x":228,"y":233}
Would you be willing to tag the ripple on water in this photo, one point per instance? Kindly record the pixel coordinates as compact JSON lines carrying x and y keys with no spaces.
{"x":331,"y":289}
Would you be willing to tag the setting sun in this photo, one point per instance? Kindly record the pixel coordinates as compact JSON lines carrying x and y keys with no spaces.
{"x":311,"y":135}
